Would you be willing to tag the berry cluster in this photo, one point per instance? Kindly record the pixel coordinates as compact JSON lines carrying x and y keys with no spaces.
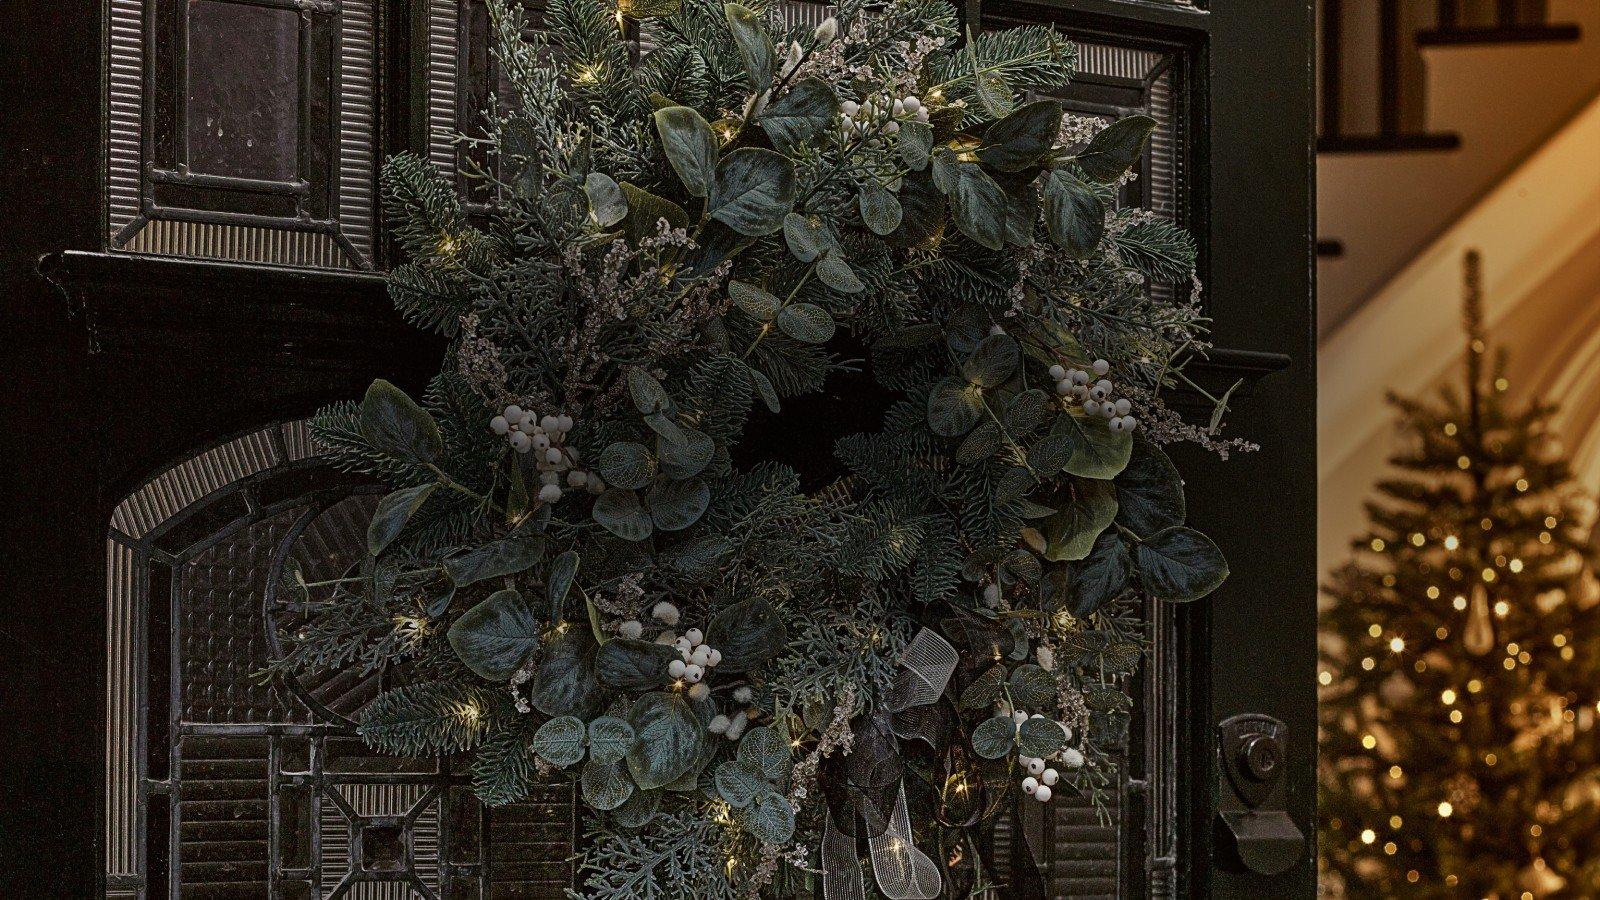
{"x":1096,"y":397}
{"x":527,"y":432}
{"x":882,"y":114}
{"x":695,"y":659}
{"x":1041,"y":779}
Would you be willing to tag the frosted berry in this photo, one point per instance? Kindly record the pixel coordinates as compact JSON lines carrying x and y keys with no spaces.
{"x":693,"y":673}
{"x":499,"y":425}
{"x":1042,"y":794}
{"x":520,"y":443}
{"x":1029,"y":785}
{"x":550,"y":493}
{"x":701,"y":656}
{"x":1101,"y":367}
{"x":1091,"y":407}
{"x":1058,"y":373}
{"x":513,"y":413}
{"x":676,"y":668}
{"x":631,"y":629}
{"x":665,"y":613}
{"x":1123,"y":406}
{"x":1036,"y":766}
{"x":1050,"y":777}
{"x":696,"y":637}
{"x":713,"y":657}
{"x":1072,"y":757}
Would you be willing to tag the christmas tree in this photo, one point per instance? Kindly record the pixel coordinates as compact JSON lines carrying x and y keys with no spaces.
{"x":1461,"y":660}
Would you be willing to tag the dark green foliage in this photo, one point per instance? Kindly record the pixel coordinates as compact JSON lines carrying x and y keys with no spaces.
{"x":424,"y":719}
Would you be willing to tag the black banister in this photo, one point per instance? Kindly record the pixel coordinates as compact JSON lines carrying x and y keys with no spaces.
{"x":1513,"y":21}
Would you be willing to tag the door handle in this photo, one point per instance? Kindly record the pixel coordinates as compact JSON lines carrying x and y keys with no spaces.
{"x":1255,"y":832}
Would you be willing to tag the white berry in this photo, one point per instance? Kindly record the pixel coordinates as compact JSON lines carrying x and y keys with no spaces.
{"x":631,"y":629}
{"x":696,"y":637}
{"x":548,"y":423}
{"x":520,"y":442}
{"x":1101,"y":389}
{"x":1042,"y":794}
{"x":912,"y":104}
{"x":1019,"y":717}
{"x":849,"y":108}
{"x":1035,"y":766}
{"x":499,"y":425}
{"x":1079,"y":376}
{"x":665,"y":613}
{"x":699,"y":692}
{"x":1050,"y":777}
{"x":713,"y":657}
{"x":683,"y":644}
{"x":1117,"y":424}
{"x":743,"y":693}
{"x":1091,"y":407}
{"x":1123,"y":406}
{"x":1029,"y":785}
{"x":513,"y":413}
{"x":1064,"y":388}
{"x":701,"y":656}
{"x":564,"y":422}
{"x":676,"y":668}
{"x":718,"y":724}
{"x":553,"y":455}
{"x":693,"y":673}
{"x":1066,"y":730}
{"x":1072,"y":757}
{"x":550,"y":493}
{"x":1058,"y":372}
{"x":1101,"y":367}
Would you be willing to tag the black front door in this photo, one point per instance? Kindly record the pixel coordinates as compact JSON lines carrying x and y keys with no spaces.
{"x":196,"y":303}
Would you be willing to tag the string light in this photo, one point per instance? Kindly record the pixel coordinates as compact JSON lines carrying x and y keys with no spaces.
{"x":1452,"y":542}
{"x":1445,"y":809}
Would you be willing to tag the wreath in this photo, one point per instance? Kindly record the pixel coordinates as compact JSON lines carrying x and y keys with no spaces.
{"x":765,"y":679}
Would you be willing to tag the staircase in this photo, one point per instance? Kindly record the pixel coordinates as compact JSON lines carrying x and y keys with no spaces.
{"x":1426,"y":104}
{"x":1491,"y":141}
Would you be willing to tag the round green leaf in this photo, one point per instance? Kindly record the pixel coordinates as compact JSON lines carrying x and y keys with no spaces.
{"x":993,"y":361}
{"x":753,"y":191}
{"x":994,"y":738}
{"x":835,"y":272}
{"x":1097,"y":452}
{"x":806,"y":241}
{"x":765,"y":750}
{"x":620,"y":512}
{"x":802,"y":115}
{"x":690,"y":146}
{"x":1103,"y":576}
{"x":880,"y":209}
{"x":738,"y":783}
{"x":495,"y":637}
{"x":770,"y":819}
{"x":395,"y":425}
{"x":755,"y":302}
{"x":565,"y":683}
{"x":1149,"y":491}
{"x":686,"y":455}
{"x":669,"y":739}
{"x":634,"y":665}
{"x":1033,"y":687}
{"x":1070,"y":533}
{"x":559,"y":741}
{"x":605,"y":785}
{"x":626,"y":465}
{"x":1040,"y":737}
{"x":953,"y":408}
{"x":610,"y":739}
{"x":748,"y":633}
{"x":675,"y":505}
{"x":806,"y":322}
{"x":1179,"y":564}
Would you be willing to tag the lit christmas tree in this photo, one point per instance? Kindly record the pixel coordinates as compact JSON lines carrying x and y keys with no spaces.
{"x":1461,"y":661}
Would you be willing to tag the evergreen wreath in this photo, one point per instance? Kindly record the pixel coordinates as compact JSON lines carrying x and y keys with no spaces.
{"x":583,"y":569}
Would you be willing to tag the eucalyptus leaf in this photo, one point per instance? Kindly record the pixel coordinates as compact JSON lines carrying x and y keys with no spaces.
{"x":954,"y":407}
{"x":605,"y":785}
{"x":497,"y":636}
{"x":770,"y":819}
{"x":764,"y":389}
{"x":755,"y":302}
{"x":1040,"y":737}
{"x":639,"y":809}
{"x":645,"y":212}
{"x":647,"y":393}
{"x":753,"y":190}
{"x":880,"y":209}
{"x":753,"y":42}
{"x":1073,"y":214}
{"x":994,"y":738}
{"x":1070,"y":533}
{"x":559,"y":741}
{"x":835,"y":272}
{"x":690,"y":146}
{"x":634,"y":665}
{"x":806,"y":322}
{"x":669,"y":741}
{"x":620,"y":512}
{"x":607,"y":205}
{"x":395,"y":425}
{"x":559,"y":582}
{"x":738,"y":783}
{"x":749,"y":633}
{"x":508,"y":556}
{"x":392,"y":514}
{"x":992,"y":362}
{"x":979,"y":206}
{"x":1033,"y":687}
{"x":1113,"y":151}
{"x":980,"y":443}
{"x":1179,"y":564}
{"x":1103,"y":576}
{"x":806,"y":240}
{"x":985,"y":689}
{"x":675,"y":505}
{"x":1027,"y":412}
{"x":803,"y":115}
{"x":1097,"y":451}
{"x":686,"y":456}
{"x":1149,"y":490}
{"x":1022,"y":138}
{"x":565,"y":682}
{"x":610,"y":739}
{"x":626,"y":465}
{"x":765,"y":749}
{"x":915,"y":143}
